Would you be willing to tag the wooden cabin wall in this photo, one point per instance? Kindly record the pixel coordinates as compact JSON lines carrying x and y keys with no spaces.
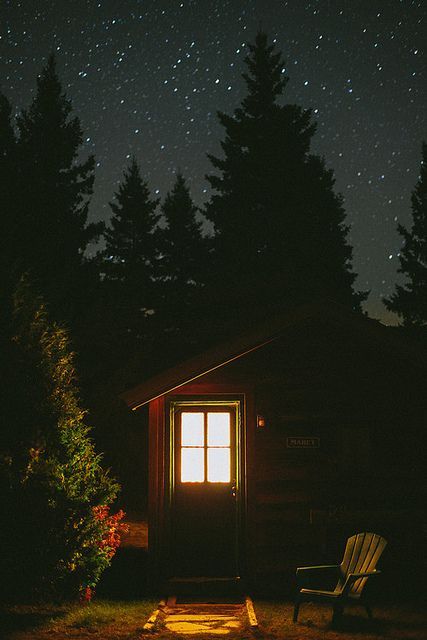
{"x":157,"y":461}
{"x":367,"y":413}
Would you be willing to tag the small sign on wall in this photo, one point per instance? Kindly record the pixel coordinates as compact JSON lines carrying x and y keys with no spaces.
{"x":302,"y":442}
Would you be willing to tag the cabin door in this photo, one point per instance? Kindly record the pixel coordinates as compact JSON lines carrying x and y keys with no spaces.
{"x":206,"y":489}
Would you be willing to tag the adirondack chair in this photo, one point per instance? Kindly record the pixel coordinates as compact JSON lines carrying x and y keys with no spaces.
{"x":361,"y":555}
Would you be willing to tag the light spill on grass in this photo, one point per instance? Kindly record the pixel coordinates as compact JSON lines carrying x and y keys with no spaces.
{"x":124,"y":620}
{"x":100,"y":618}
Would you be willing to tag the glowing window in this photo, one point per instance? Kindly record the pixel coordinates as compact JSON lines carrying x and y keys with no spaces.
{"x":205,"y":446}
{"x":192,"y":430}
{"x":219,"y":464}
{"x":192,"y":464}
{"x":218,"y":429}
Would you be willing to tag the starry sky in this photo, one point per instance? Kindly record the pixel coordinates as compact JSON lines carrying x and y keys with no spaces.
{"x":146,"y":78}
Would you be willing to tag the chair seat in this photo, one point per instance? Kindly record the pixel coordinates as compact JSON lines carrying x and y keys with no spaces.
{"x":320,"y":593}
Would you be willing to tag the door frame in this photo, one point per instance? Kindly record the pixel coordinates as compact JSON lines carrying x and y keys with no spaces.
{"x":237,"y":402}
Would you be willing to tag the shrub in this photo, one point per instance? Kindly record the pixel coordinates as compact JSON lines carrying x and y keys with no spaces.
{"x":59,"y":535}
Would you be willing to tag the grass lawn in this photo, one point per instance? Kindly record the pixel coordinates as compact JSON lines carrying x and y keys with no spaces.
{"x":108,"y":620}
{"x":405,"y":622}
{"x":99,"y":619}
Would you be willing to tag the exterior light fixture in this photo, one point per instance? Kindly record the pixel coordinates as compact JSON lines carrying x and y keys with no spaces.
{"x":260,"y":421}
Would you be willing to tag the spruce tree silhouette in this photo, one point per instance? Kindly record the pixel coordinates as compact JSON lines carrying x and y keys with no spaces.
{"x":129,"y":260}
{"x":54,"y":198}
{"x":183,"y":254}
{"x":9,"y":232}
{"x":280,"y":236}
{"x":409,"y":301}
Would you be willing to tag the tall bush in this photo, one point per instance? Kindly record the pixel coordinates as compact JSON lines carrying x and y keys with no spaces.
{"x":58,"y":534}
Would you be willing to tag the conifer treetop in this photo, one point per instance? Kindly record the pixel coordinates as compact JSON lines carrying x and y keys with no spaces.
{"x":47,"y":120}
{"x":409,"y":300}
{"x":48,"y":146}
{"x":134,"y":216}
{"x":266,"y":81}
{"x":181,"y":242}
{"x":280,"y":232}
{"x":130,"y":250}
{"x":178,"y":207}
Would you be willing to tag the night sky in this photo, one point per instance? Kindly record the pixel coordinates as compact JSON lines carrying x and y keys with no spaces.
{"x":146,"y":77}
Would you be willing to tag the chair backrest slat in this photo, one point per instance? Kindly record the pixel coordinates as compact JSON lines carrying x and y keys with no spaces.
{"x":361,"y":555}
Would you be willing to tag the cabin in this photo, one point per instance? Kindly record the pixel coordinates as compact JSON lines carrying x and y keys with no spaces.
{"x":267,"y":451}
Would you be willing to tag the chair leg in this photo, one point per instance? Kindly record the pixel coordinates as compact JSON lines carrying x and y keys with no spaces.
{"x":296,"y":610}
{"x":368,"y":611}
{"x":338,"y":611}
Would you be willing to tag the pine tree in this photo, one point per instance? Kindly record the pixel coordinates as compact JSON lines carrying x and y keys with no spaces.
{"x":180,"y":272}
{"x":7,"y":157}
{"x":130,"y":254}
{"x":9,"y":236}
{"x":280,"y":235}
{"x":54,"y":489}
{"x":55,"y":191}
{"x":410,"y":300}
{"x":182,"y":247}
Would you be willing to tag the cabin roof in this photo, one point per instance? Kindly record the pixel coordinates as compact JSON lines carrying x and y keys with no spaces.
{"x":264,"y":333}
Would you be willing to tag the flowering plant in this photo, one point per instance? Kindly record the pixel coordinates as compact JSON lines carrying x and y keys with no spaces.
{"x":105,"y":540}
{"x":110,"y":541}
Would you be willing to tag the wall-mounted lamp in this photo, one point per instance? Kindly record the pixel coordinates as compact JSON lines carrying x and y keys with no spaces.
{"x":260,"y":422}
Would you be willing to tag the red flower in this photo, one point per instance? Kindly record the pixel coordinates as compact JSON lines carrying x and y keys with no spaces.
{"x":86,"y":594}
{"x":114,"y":528}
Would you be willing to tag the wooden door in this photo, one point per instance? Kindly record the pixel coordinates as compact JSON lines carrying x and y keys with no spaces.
{"x":205,"y":496}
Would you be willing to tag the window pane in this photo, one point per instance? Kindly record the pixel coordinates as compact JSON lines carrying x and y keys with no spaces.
{"x":192,"y":465}
{"x":218,"y":465}
{"x":192,"y":430}
{"x":218,"y":429}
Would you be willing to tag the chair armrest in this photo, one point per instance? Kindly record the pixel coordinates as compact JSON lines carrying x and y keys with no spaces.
{"x":366,"y":574}
{"x":352,"y":577}
{"x":318,"y":567}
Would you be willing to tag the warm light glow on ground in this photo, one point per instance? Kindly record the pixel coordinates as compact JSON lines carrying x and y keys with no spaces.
{"x":207,"y":620}
{"x":200,"y":624}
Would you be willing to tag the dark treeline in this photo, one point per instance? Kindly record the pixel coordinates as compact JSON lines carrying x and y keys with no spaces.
{"x":279,"y":236}
{"x":161,"y":289}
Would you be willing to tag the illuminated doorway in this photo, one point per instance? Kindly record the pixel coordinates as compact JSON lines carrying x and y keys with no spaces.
{"x":206,"y":488}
